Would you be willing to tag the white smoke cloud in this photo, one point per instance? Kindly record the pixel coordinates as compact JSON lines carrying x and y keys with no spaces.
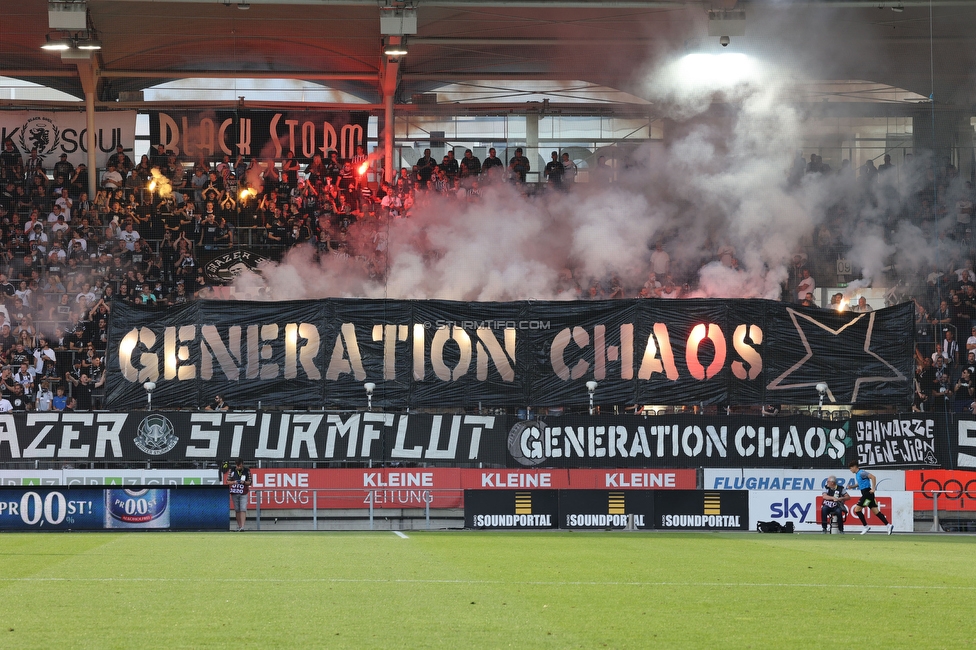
{"x":722,"y":185}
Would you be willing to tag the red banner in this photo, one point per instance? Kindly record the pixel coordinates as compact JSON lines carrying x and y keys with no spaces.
{"x":958,"y":489}
{"x":851,"y":520}
{"x":440,"y":487}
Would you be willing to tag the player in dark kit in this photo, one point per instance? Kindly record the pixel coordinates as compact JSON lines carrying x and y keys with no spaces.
{"x":866,"y":482}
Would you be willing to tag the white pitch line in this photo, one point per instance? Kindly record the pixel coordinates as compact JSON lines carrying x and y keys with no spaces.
{"x":399,"y":534}
{"x":575,"y":583}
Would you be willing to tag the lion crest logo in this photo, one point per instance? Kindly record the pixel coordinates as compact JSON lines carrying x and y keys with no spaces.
{"x":40,"y":132}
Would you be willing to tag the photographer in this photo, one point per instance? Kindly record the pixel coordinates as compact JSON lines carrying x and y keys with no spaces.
{"x":834,"y":496}
{"x":239,"y":480}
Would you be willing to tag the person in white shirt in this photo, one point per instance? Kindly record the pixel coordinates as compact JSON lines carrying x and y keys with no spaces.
{"x":25,"y":377}
{"x":971,"y":341}
{"x":660,"y":261}
{"x":59,"y":225}
{"x":33,"y":221}
{"x":39,"y":238}
{"x":5,"y":405}
{"x":950,"y":347}
{"x":862,"y":306}
{"x":55,"y":213}
{"x":44,"y":354}
{"x":45,"y":398}
{"x":569,"y":169}
{"x":966,"y":273}
{"x":65,"y":202}
{"x":129,"y":237}
{"x":111,"y":179}
{"x":806,"y":285}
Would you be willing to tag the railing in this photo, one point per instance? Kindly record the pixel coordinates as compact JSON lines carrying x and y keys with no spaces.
{"x":363,"y":502}
{"x":936,"y":521}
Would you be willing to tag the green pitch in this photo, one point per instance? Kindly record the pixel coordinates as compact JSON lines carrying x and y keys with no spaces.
{"x":467,"y":589}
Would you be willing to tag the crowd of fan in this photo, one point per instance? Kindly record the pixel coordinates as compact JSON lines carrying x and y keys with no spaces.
{"x":66,"y":256}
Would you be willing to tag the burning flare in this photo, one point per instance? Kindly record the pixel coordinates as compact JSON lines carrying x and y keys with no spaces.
{"x":159,"y":183}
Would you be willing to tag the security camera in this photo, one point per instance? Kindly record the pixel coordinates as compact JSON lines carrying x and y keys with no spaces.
{"x":591,"y":386}
{"x":149,"y":386}
{"x":822,"y":388}
{"x":370,"y":387}
{"x":724,"y":40}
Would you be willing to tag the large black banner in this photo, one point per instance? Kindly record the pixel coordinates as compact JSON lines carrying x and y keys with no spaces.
{"x":962,"y":441}
{"x":266,"y":436}
{"x":637,"y":442}
{"x":679,"y":441}
{"x":258,"y":133}
{"x":448,"y":354}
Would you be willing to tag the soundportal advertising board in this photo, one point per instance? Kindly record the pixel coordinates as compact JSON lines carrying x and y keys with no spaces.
{"x":111,"y":508}
{"x":607,"y":509}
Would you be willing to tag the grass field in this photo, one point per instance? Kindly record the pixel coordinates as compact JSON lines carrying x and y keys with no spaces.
{"x":475,"y":589}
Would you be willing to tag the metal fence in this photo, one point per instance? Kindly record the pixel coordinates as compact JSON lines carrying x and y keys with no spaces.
{"x":362,"y":512}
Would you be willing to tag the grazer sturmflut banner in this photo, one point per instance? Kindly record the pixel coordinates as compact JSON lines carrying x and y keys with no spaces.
{"x":259,"y":133}
{"x":272,"y":436}
{"x":446,"y":354}
{"x":624,"y":442}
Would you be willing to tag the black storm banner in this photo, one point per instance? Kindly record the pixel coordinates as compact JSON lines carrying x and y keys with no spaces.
{"x":314,"y":354}
{"x":258,"y":133}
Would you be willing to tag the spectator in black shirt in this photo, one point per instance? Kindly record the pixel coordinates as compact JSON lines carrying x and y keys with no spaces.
{"x":6,"y":288}
{"x":78,"y":339}
{"x":7,"y":339}
{"x":7,"y":381}
{"x":208,"y":235}
{"x":120,"y":161}
{"x":19,"y":355}
{"x":63,"y":168}
{"x":82,"y":391}
{"x":554,"y":170}
{"x":450,"y":165}
{"x":17,"y":398}
{"x":519,"y":166}
{"x":218,"y":404}
{"x":470,"y":165}
{"x":10,"y":156}
{"x":425,"y":167}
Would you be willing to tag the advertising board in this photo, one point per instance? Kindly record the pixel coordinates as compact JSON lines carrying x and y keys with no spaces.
{"x":438,"y":487}
{"x":794,"y":479}
{"x":605,"y":509}
{"x":701,"y":510}
{"x":505,"y":509}
{"x":802,"y":508}
{"x":111,"y":508}
{"x":79,"y":477}
{"x":957,"y":489}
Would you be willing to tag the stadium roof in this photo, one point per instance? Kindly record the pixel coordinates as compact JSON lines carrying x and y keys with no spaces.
{"x":609,"y":43}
